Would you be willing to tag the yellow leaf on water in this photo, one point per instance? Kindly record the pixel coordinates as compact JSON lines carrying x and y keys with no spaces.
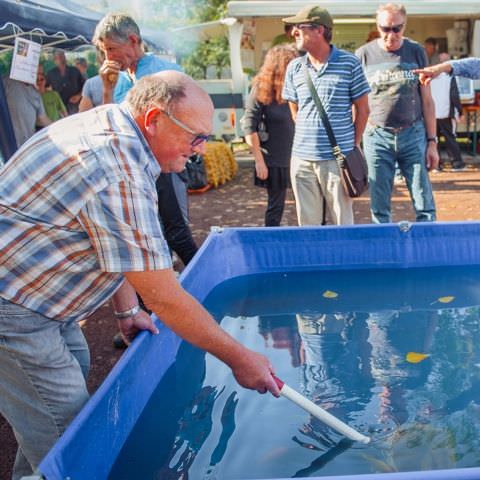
{"x":446,"y":299}
{"x":414,"y":357}
{"x":329,"y":294}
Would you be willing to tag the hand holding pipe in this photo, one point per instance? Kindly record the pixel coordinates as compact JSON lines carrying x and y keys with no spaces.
{"x":319,"y":412}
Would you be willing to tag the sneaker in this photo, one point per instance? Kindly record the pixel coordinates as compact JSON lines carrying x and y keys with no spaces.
{"x":460,"y":168}
{"x":118,"y":341}
{"x":437,"y":170}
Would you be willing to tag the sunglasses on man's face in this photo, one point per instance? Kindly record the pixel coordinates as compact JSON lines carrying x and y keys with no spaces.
{"x":306,"y":26}
{"x":394,"y":28}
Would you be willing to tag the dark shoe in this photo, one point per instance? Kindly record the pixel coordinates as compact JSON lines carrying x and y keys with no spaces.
{"x":118,"y":341}
{"x":459,"y":167}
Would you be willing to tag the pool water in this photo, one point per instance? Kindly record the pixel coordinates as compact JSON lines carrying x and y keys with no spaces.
{"x":393,"y":353}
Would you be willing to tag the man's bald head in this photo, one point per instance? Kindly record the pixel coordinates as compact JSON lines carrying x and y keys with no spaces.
{"x":167,"y":88}
{"x":174,"y":114}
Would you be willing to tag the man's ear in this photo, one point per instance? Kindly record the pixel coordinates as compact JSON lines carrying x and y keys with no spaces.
{"x":134,"y":39}
{"x":150,"y":121}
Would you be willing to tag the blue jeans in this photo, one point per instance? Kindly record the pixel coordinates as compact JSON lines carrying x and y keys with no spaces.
{"x":382,"y":149}
{"x":43,"y":365}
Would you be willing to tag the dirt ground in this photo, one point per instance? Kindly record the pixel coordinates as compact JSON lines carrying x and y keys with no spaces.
{"x":239,"y":203}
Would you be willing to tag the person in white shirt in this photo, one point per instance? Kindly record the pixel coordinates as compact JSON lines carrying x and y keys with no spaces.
{"x":447,"y":109}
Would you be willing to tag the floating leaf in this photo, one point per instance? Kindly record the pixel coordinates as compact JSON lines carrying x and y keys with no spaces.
{"x":414,"y":357}
{"x":330,"y":294}
{"x":446,"y":299}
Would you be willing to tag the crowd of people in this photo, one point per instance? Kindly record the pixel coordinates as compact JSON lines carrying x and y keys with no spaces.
{"x":91,"y":206}
{"x":382,"y":105}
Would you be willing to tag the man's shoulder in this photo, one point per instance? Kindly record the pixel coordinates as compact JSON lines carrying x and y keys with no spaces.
{"x":344,"y":57}
{"x":295,"y":65}
{"x":150,"y":63}
{"x":409,"y":43}
{"x":367,"y":47}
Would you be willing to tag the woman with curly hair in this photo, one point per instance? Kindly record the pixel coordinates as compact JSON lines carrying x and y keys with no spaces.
{"x":269,"y":129}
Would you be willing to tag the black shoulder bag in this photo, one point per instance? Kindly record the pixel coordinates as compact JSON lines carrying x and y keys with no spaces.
{"x":353,"y":167}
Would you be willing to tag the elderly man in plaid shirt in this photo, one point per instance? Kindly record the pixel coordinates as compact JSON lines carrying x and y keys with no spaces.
{"x":79,"y":225}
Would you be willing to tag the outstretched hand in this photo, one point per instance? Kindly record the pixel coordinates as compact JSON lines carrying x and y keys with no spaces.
{"x":427,"y":74}
{"x":254,"y":371}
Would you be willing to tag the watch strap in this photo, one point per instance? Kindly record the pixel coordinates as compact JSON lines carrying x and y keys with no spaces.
{"x":128,"y":313}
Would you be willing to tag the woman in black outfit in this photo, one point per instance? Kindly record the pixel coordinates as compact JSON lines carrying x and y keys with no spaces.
{"x":269,"y":129}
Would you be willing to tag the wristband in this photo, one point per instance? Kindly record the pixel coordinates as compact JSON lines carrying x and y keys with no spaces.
{"x":127,"y":313}
{"x":432,"y":139}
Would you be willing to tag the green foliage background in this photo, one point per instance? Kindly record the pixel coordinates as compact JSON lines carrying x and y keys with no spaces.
{"x":166,"y":15}
{"x":196,"y":57}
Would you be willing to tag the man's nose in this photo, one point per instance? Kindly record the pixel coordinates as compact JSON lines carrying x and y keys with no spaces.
{"x":200,"y":149}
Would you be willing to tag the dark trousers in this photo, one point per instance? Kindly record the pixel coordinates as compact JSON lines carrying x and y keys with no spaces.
{"x":175,"y":227}
{"x":445,"y":129}
{"x":177,"y":231}
{"x":276,"y":204}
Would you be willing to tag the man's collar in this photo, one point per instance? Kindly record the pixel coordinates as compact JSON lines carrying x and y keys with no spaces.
{"x":154,"y":165}
{"x":332,"y":56}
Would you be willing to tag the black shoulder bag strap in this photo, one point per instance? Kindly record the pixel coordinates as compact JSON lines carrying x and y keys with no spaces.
{"x":337,"y":153}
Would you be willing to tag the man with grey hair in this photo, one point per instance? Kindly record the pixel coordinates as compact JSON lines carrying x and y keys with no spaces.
{"x":402,"y":125}
{"x":85,"y":230}
{"x":117,"y":36}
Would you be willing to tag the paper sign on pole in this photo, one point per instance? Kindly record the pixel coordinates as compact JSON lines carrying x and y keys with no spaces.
{"x":26,"y":55}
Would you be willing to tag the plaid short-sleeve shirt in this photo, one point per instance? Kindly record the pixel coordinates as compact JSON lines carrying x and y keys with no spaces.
{"x":78,"y":207}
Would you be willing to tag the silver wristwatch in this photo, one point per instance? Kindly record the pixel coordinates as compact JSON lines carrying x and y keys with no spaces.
{"x":127,"y":313}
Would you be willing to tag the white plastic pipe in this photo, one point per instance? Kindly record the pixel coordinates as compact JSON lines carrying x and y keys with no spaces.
{"x":320,"y":413}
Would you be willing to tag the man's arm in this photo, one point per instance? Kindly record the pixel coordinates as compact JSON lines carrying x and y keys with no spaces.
{"x":465,"y":67}
{"x":360,"y":114}
{"x":109,"y":72}
{"x":43,"y":120}
{"x":125,"y":300}
{"x":427,"y":74}
{"x":162,"y":294}
{"x":293,"y":110}
{"x":428,"y":105}
{"x":85,"y":104}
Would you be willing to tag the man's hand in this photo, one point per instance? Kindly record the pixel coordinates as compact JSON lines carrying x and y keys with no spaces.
{"x":254,"y":371}
{"x":431,"y":158}
{"x":109,"y":72}
{"x":427,"y":74}
{"x":129,"y":327}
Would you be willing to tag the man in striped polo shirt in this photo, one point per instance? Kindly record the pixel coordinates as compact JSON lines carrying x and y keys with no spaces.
{"x":79,"y":225}
{"x":343,"y":90}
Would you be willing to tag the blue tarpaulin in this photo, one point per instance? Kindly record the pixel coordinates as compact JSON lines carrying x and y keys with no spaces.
{"x":92,"y":443}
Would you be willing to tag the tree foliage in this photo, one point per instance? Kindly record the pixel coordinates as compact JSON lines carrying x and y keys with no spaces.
{"x":196,"y":58}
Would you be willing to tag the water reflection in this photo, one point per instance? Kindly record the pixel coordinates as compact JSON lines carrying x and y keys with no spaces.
{"x":405,"y":372}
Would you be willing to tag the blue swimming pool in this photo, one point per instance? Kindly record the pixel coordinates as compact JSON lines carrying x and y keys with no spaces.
{"x":431,"y":268}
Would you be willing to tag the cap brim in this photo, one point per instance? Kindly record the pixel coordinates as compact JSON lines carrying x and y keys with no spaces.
{"x":293,"y":20}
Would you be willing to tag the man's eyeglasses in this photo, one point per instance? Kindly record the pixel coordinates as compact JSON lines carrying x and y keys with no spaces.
{"x":198,"y":137}
{"x":394,"y":28}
